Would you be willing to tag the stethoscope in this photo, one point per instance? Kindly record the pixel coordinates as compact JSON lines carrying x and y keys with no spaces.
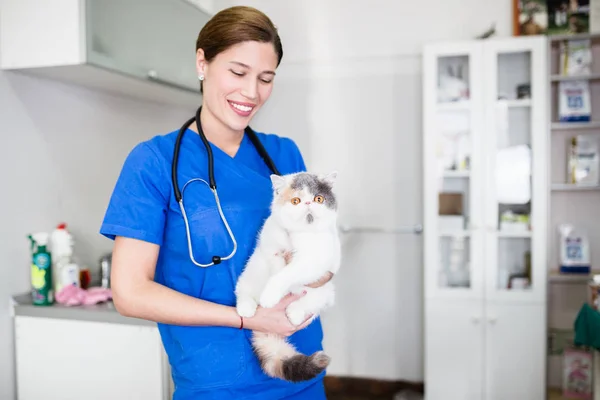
{"x":212,"y":183}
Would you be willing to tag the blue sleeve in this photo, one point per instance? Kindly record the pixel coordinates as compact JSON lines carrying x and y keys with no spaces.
{"x":140,"y":199}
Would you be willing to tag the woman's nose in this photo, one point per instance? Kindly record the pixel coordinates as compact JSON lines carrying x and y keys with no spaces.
{"x":250,"y":90}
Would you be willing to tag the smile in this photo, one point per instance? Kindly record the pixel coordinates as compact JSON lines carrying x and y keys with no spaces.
{"x":241,"y":108}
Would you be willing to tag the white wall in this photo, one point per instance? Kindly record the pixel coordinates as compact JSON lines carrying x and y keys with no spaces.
{"x":351,"y":79}
{"x":61,"y":148}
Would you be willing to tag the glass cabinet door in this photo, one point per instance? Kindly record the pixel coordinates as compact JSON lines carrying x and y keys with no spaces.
{"x":516,"y":174}
{"x":132,"y":37}
{"x":453,"y":109}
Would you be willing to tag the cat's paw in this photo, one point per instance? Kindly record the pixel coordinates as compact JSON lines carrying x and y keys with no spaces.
{"x":246,"y":307}
{"x":295,"y":314}
{"x":270,"y":297}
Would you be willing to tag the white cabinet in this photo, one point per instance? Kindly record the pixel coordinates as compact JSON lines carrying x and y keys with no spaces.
{"x":453,"y":350}
{"x":515,"y":351}
{"x":476,"y":351}
{"x":485,"y":213}
{"x":71,"y":359}
{"x":144,"y":48}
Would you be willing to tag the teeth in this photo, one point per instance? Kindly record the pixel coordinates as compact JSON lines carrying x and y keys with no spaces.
{"x":241,"y":107}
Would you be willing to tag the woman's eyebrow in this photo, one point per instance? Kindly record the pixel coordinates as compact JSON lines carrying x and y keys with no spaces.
{"x":248,"y":67}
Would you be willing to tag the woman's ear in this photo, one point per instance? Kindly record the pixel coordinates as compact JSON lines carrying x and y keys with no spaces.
{"x":200,"y":63}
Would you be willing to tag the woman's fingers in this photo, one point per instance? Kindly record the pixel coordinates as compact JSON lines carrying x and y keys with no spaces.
{"x":306,"y":322}
{"x":322,"y":281}
{"x":287,"y":300}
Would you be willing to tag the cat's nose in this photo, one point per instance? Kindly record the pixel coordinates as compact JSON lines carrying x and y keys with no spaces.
{"x":308,"y":202}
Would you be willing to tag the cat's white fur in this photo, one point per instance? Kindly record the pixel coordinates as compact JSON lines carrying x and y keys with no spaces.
{"x":266,"y":279}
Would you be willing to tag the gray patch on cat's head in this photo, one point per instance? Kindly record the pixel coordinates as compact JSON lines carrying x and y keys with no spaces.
{"x":315,"y":186}
{"x":310,"y":218}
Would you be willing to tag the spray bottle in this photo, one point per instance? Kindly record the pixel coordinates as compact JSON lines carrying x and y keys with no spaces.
{"x":41,"y":270}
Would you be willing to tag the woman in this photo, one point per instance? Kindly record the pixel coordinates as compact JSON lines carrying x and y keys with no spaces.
{"x":153,"y":275}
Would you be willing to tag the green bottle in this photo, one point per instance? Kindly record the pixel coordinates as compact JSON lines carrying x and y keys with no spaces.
{"x":41,"y":270}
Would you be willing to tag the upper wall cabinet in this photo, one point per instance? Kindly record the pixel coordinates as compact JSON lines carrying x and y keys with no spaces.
{"x":144,"y":49}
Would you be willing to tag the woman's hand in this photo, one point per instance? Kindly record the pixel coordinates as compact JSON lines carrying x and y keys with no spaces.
{"x":274,"y":320}
{"x":287,"y":256}
{"x":323,"y":280}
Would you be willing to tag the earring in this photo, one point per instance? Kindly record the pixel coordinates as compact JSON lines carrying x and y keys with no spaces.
{"x":201,"y":77}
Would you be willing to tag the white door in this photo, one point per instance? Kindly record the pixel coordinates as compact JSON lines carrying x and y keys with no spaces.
{"x":516,"y":169}
{"x":454,"y":350}
{"x":453,"y":170}
{"x":515,"y":349}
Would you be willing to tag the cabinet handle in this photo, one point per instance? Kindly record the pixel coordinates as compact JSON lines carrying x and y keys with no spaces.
{"x":492,"y":320}
{"x":153,"y":76}
{"x":475,"y":320}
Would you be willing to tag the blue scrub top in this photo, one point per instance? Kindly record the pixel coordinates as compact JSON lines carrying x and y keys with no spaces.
{"x":208,"y":362}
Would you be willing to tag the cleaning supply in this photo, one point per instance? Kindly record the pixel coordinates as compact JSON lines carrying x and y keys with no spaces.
{"x":41,"y":270}
{"x":71,"y":295}
{"x":574,"y":104}
{"x":65,"y":270}
{"x":584,"y":160}
{"x":574,"y":251}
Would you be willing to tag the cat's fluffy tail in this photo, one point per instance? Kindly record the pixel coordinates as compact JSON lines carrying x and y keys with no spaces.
{"x":279,"y":359}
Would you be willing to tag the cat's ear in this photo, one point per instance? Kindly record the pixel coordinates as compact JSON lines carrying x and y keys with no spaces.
{"x":330,"y":178}
{"x":278,"y":182}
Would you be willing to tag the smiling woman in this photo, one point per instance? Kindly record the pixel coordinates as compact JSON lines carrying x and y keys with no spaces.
{"x":237,"y":53}
{"x":161,"y":265}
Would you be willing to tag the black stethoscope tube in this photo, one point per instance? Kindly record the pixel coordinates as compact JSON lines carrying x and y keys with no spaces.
{"x":211,"y":164}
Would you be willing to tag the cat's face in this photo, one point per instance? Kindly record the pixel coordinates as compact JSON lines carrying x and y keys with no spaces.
{"x":304,"y":200}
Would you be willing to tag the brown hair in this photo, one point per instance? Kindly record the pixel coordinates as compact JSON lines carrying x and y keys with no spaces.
{"x":235,"y":25}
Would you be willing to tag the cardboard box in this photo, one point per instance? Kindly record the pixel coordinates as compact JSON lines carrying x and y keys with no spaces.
{"x":450,"y":203}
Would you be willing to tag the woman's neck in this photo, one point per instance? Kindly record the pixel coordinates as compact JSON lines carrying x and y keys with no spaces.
{"x":219,"y":134}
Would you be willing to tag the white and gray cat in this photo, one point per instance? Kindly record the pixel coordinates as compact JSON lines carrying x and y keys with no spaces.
{"x":303,"y":223}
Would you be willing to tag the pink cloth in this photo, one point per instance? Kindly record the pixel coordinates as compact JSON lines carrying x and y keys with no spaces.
{"x":73,"y":296}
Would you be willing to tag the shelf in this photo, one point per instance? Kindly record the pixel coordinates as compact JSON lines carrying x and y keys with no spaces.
{"x":575,"y":125}
{"x":515,"y":103}
{"x":562,"y":78}
{"x":517,"y":235}
{"x":500,"y":234}
{"x":565,"y":187}
{"x":456,"y":174}
{"x":579,"y":36}
{"x":457,"y":234}
{"x":555,"y":276}
{"x":454,"y":105}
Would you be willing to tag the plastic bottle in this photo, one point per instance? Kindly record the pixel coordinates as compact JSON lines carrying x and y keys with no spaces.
{"x":574,"y":250}
{"x":65,"y":271}
{"x":41,"y":270}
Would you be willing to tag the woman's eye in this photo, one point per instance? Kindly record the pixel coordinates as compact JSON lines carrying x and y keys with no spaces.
{"x":237,"y":73}
{"x":266,"y":81}
{"x":296,"y":201}
{"x":319,"y":199}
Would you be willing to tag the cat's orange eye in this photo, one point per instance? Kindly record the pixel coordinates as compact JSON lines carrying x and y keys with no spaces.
{"x":295,"y":201}
{"x":319,"y":198}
